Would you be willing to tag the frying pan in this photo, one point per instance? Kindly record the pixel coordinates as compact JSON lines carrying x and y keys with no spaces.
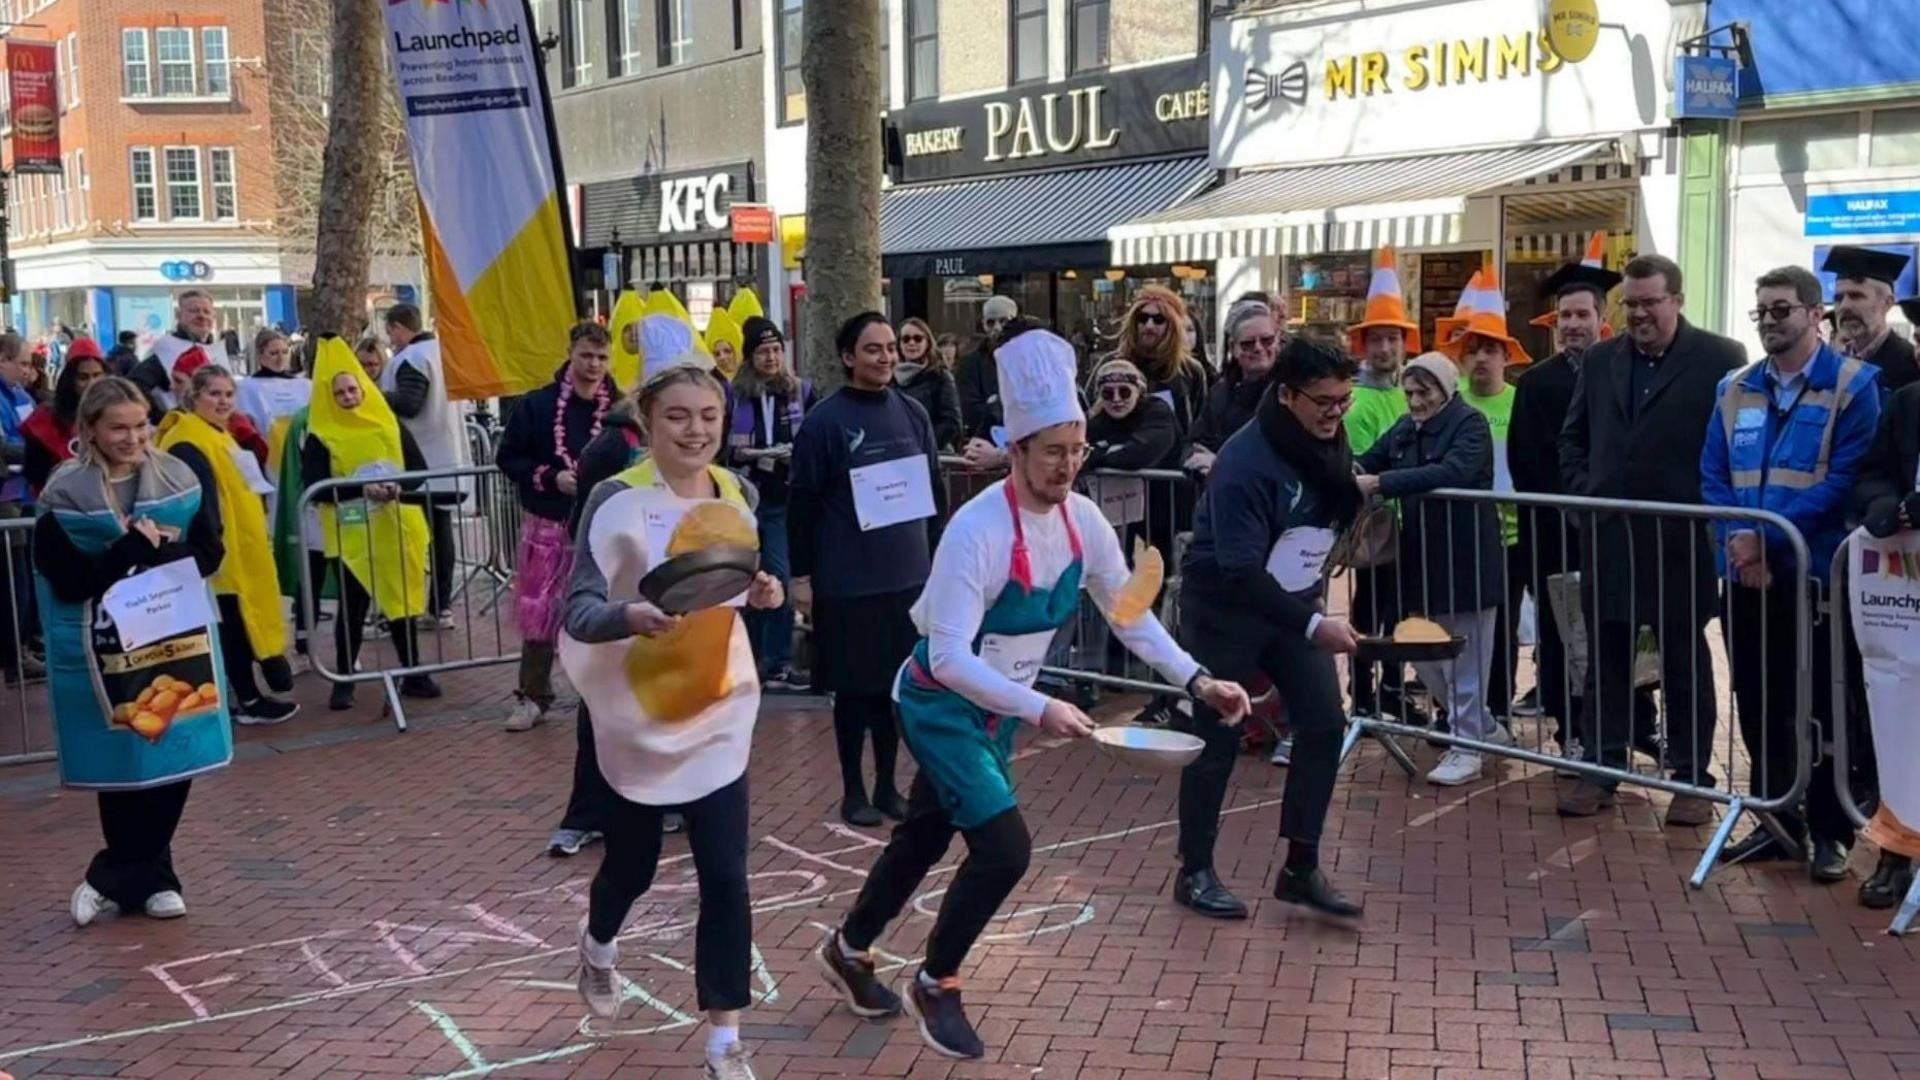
{"x":700,"y":579}
{"x":1385,"y":650}
{"x":1156,"y":749}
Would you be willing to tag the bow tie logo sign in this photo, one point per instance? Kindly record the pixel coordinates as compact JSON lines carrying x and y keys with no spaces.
{"x":1290,"y":86}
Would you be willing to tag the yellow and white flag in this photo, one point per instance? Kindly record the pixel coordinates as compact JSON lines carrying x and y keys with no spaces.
{"x":498,"y":258}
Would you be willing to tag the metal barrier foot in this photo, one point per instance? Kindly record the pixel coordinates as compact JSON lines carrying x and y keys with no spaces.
{"x":1711,"y":857}
{"x":1397,"y":752}
{"x":394,"y":707}
{"x":1355,"y":728}
{"x":1786,"y":839}
{"x":1909,"y":910}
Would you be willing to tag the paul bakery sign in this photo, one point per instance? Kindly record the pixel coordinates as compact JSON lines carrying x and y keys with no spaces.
{"x":1094,"y":118}
{"x":1425,"y":77}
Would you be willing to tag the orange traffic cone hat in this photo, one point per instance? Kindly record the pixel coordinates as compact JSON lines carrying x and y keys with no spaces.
{"x":1446,"y":326}
{"x":1485,"y":315}
{"x":1386,"y":306}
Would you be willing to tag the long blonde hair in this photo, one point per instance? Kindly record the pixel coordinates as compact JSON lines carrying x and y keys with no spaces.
{"x":104,"y":394}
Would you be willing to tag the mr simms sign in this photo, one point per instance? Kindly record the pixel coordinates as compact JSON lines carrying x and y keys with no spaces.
{"x":1146,"y":112}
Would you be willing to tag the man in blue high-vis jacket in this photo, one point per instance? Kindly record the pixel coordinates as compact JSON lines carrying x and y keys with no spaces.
{"x":1788,"y":436}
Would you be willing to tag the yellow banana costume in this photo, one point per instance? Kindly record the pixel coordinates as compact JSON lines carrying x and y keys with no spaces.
{"x":248,"y":570}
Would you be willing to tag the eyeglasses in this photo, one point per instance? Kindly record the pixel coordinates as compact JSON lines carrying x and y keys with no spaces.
{"x":1152,"y":318}
{"x":1779,"y":312}
{"x":1255,"y":343}
{"x":1328,"y":406}
{"x":1117,"y":394}
{"x":1647,"y":304}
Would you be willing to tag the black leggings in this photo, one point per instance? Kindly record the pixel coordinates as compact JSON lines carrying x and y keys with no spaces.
{"x":236,"y":651}
{"x":854,"y":717}
{"x":138,"y":859}
{"x":1233,"y":646}
{"x":350,"y":622}
{"x":717,"y":831}
{"x":587,"y":803}
{"x":998,"y":851}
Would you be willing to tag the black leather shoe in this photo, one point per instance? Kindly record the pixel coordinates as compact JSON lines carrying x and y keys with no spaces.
{"x":860,"y":813}
{"x":340,"y":698}
{"x":1203,"y":893}
{"x":1889,"y":884}
{"x":890,"y":804}
{"x":1829,"y":861}
{"x":1310,"y":888}
{"x":1759,"y":846}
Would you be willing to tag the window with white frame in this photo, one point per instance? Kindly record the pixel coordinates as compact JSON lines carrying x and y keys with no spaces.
{"x":183,"y":183}
{"x":60,"y":75}
{"x":136,"y":76}
{"x":82,"y":189}
{"x":225,"y":193}
{"x":673,"y":29}
{"x":6,"y":106}
{"x":577,"y":40}
{"x":62,"y":209}
{"x":215,"y":62}
{"x":173,"y":45}
{"x":630,"y":57}
{"x":146,"y":197}
{"x":73,"y":70}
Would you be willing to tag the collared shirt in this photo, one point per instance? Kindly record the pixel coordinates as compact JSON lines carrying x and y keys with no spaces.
{"x":1646,"y":368}
{"x":1785,"y":390}
{"x":1865,"y":352}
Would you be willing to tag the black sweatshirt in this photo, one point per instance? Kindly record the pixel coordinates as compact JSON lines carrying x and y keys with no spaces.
{"x":316,"y":465}
{"x":853,"y":429}
{"x":527,"y":454}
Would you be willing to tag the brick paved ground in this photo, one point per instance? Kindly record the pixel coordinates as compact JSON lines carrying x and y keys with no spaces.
{"x":368,"y":904}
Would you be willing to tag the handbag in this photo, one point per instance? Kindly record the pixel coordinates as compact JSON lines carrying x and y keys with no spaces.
{"x":1372,"y":540}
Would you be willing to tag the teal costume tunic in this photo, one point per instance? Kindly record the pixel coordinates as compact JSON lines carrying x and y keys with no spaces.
{"x":964,"y":750}
{"x":90,"y":675}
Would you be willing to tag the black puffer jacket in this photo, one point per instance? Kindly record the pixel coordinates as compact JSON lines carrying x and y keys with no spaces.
{"x":1451,"y":559}
{"x":1231,"y":402}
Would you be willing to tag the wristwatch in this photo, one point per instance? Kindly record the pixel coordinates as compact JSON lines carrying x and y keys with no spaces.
{"x":1201,"y":673}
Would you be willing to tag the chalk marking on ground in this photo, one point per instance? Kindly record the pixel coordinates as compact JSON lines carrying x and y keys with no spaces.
{"x":452,"y":1033}
{"x":396,"y":982}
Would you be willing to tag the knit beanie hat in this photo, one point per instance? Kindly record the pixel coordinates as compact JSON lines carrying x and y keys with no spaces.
{"x":1442,"y":368}
{"x":757,"y":332}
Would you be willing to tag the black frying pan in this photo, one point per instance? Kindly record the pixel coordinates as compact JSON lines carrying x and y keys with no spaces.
{"x":1385,"y":650}
{"x":700,"y":579}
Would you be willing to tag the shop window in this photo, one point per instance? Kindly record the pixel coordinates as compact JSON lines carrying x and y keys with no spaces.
{"x":1800,"y":144}
{"x":146,"y":203}
{"x":1028,"y":19}
{"x":673,"y":31}
{"x":923,"y":49}
{"x":183,"y":183}
{"x":1089,"y":26}
{"x":1896,"y":138}
{"x":793,"y":92}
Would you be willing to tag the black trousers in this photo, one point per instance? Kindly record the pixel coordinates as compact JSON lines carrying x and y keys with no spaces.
{"x":856,"y":717}
{"x":236,"y":651}
{"x":1614,"y":712}
{"x":998,"y":851}
{"x":442,"y":555}
{"x":350,"y":622}
{"x":138,"y":859}
{"x":1761,"y":646}
{"x":1234,"y":645}
{"x":717,"y":831}
{"x":591,"y":795}
{"x":1375,"y":610}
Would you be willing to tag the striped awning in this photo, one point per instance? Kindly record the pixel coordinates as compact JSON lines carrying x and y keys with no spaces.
{"x":1340,"y":206}
{"x":1061,"y":207}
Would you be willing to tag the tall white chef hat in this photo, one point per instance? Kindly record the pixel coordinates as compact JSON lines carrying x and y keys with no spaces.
{"x":1037,"y":391}
{"x":666,"y":341}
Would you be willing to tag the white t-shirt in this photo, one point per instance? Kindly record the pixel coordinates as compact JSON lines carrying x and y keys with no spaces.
{"x":972,"y":566}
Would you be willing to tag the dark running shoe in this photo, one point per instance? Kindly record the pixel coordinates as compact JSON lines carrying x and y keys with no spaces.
{"x":853,"y":976}
{"x":942,"y":1022}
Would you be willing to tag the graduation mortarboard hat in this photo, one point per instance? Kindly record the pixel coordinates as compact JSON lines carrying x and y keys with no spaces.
{"x":1588,"y":272}
{"x":1864,"y":264}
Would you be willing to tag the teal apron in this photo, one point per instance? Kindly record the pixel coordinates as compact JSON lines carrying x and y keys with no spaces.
{"x":96,"y":685}
{"x":961,"y":748}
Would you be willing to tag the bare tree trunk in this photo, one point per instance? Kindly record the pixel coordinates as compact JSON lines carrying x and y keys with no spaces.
{"x":351,"y":170}
{"x":840,"y":67}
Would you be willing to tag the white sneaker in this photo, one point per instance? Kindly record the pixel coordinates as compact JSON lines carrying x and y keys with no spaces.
{"x":599,"y":986}
{"x":1500,"y":735}
{"x":526,"y":713}
{"x":89,"y":905}
{"x":732,"y":1065}
{"x":1456,"y":767}
{"x":1282,"y":752}
{"x":166,"y":905}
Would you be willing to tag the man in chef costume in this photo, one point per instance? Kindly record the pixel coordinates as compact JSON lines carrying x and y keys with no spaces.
{"x":1006,"y":576}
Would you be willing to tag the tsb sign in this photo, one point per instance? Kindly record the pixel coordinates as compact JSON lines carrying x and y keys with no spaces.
{"x":694,"y":203}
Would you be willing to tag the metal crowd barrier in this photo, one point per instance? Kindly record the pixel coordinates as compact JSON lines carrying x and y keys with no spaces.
{"x":1621,"y":551}
{"x":455,"y":633}
{"x":28,"y":736}
{"x":1846,"y":704}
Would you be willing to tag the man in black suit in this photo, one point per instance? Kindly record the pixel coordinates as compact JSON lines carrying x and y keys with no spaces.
{"x":1862,"y":297}
{"x":1634,"y":430}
